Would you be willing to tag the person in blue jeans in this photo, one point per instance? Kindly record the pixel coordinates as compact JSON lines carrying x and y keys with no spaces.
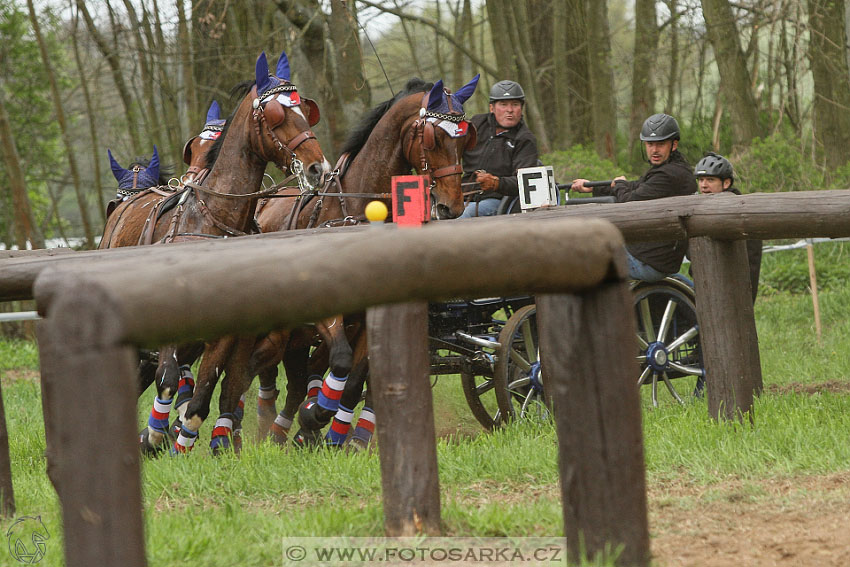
{"x":669,"y":174}
{"x":505,"y":144}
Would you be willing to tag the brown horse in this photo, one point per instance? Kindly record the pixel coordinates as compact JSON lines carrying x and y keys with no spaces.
{"x":395,"y":137}
{"x":271,"y":124}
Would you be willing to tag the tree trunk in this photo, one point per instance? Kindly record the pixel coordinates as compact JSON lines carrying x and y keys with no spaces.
{"x":192,"y":112}
{"x":351,"y":88}
{"x":499,"y":31}
{"x":578,"y":62}
{"x":732,"y":66}
{"x":111,"y":56}
{"x":519,"y":38}
{"x":560,"y":91}
{"x":604,"y":108}
{"x":831,"y":78}
{"x":674,"y":57}
{"x":58,"y":104}
{"x":92,"y":120}
{"x":643,"y":86}
{"x":24,"y":227}
{"x":168,"y":97}
{"x":149,"y":116}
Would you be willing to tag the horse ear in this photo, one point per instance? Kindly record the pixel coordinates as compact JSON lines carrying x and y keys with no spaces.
{"x":118,"y":171}
{"x":153,"y":166}
{"x":214,"y":113}
{"x":463,"y":93}
{"x":283,"y":67}
{"x":435,"y":98}
{"x":312,"y":110}
{"x":262,"y":73}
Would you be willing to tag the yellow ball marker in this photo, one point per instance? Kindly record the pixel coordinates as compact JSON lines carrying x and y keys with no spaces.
{"x":376,"y":212}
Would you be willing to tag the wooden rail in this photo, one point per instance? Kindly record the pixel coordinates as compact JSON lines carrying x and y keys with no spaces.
{"x":100,"y":305}
{"x":98,"y":312}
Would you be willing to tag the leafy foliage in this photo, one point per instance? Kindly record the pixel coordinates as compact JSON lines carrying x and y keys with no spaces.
{"x":580,"y":162}
{"x":27,"y":98}
{"x":777,"y":163}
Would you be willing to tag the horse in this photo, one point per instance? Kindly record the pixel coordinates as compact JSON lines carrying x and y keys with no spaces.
{"x":134,"y":208}
{"x":271,"y":124}
{"x":410,"y":131}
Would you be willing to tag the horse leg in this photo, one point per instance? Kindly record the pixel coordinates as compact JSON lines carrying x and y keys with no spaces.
{"x":362,"y":434}
{"x":186,"y":355}
{"x":167,"y":376}
{"x":303,"y":378}
{"x":351,"y":395}
{"x":268,"y":352}
{"x":315,"y":414}
{"x":215,"y":356}
{"x":228,"y":426}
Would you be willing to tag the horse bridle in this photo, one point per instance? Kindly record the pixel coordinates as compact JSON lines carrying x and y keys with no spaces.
{"x":423,"y":130}
{"x":271,"y":114}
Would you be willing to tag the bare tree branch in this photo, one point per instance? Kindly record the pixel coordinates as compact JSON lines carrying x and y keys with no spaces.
{"x":439,"y":31}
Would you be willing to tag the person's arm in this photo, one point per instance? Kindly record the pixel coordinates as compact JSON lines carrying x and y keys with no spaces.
{"x":656,"y":184}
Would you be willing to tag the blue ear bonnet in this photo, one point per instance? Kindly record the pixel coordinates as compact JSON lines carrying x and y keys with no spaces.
{"x":214,"y":120}
{"x":145,"y":176}
{"x":439,"y":102}
{"x":266,"y":81}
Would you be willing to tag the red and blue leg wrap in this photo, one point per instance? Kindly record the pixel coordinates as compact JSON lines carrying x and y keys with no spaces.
{"x":340,"y":426}
{"x":158,"y":420}
{"x":331,"y":392}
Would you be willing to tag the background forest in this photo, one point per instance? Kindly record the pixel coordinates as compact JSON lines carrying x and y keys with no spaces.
{"x":765,"y":82}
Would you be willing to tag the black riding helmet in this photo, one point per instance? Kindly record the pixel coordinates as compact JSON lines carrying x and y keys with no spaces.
{"x":714,"y":165}
{"x":659,"y":127}
{"x":506,"y":90}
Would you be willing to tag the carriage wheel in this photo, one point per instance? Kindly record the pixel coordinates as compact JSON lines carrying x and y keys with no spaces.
{"x":517,"y":378}
{"x":481,"y":397}
{"x":668,"y":339}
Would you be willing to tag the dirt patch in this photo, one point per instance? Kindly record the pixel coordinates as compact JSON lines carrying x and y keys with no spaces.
{"x":831,"y":386}
{"x":9,"y":376}
{"x":797,"y":521}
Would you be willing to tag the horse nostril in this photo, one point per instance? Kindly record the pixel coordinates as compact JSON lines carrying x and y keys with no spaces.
{"x":315,"y":171}
{"x":444,"y":212}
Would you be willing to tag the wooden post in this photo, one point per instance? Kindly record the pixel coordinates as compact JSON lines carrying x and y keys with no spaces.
{"x":7,"y":494}
{"x":813,"y":283}
{"x":588,"y":345}
{"x":727,"y":326}
{"x":89,"y":402}
{"x":399,"y":370}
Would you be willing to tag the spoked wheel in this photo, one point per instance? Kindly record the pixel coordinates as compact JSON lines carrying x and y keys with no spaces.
{"x":516,"y":376}
{"x":668,"y":338}
{"x":480,"y":393}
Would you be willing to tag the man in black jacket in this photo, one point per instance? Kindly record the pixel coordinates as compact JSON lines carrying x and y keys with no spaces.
{"x":669,"y":175}
{"x":505,"y":144}
{"x":714,"y":175}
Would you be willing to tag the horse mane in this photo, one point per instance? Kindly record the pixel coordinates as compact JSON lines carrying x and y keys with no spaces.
{"x":239,"y":90}
{"x":357,"y":139}
{"x":166,"y":172}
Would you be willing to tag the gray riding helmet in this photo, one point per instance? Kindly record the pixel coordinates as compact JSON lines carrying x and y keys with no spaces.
{"x":506,"y":90}
{"x":659,"y":127}
{"x":714,"y":165}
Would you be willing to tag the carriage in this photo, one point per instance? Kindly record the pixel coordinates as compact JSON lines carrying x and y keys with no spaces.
{"x":492,"y":343}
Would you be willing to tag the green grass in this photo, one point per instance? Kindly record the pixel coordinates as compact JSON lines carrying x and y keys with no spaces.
{"x":236,"y":509}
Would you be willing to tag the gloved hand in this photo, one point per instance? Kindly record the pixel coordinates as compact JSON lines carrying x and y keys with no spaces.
{"x":487,"y":181}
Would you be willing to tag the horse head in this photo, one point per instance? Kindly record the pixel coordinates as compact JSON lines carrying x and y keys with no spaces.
{"x":439,"y":137}
{"x":282,"y":123}
{"x":195,"y":152}
{"x":143,"y":173}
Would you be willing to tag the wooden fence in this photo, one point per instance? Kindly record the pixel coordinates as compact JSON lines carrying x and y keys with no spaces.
{"x":100,"y":305}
